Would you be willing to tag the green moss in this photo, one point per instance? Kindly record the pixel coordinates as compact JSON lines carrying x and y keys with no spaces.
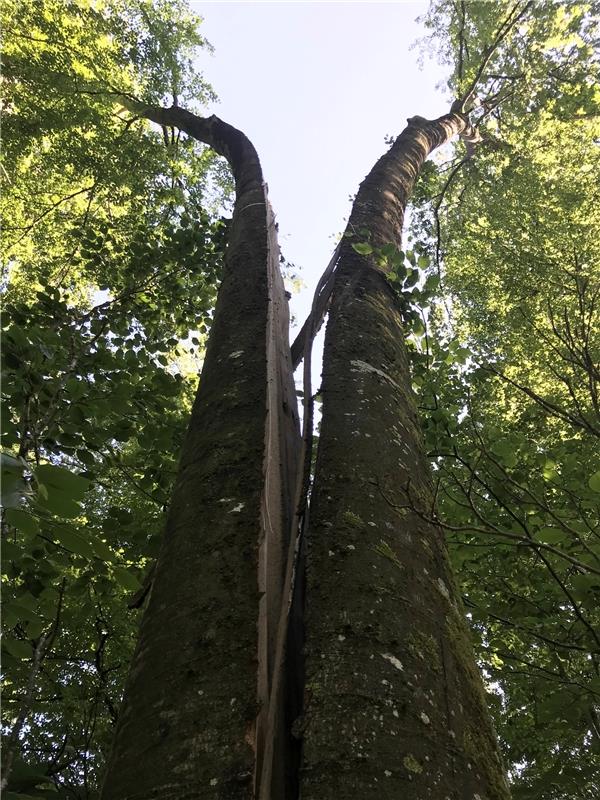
{"x":411,"y":764}
{"x":426,"y":647}
{"x":478,"y":742}
{"x":352,"y":519}
{"x":383,"y":549}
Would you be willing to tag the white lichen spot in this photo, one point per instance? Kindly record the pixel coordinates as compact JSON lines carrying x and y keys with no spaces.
{"x":443,"y":589}
{"x":387,"y":773}
{"x":226,"y":500}
{"x":476,"y":797}
{"x":362,"y":366}
{"x":214,"y":781}
{"x":395,"y":662}
{"x":331,"y":553}
{"x":237,"y":354}
{"x":372,"y":524}
{"x":385,"y":683}
{"x":236,"y":509}
{"x":341,"y":638}
{"x":395,"y":713}
{"x":350,"y":547}
{"x":424,"y":718}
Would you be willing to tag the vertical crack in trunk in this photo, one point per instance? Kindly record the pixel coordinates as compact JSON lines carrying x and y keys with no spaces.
{"x":273,"y":770}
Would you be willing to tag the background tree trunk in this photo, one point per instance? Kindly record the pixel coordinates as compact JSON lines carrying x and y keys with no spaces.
{"x":394,"y":704}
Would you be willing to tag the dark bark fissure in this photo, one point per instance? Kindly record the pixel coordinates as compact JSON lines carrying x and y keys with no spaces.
{"x":217,"y":704}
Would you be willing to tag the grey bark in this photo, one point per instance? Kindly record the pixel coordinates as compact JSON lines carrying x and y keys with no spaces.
{"x":192,"y":723}
{"x":394,"y":704}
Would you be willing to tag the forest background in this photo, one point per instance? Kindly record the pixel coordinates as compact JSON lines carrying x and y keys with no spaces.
{"x":114,"y":234}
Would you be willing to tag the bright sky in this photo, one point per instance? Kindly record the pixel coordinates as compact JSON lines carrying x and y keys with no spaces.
{"x":316,"y":86}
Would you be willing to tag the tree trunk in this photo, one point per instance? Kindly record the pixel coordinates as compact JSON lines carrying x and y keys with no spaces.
{"x":193,"y":721}
{"x":394,"y":704}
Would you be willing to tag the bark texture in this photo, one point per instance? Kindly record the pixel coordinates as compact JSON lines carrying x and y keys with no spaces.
{"x":394,"y":704}
{"x":192,"y":724}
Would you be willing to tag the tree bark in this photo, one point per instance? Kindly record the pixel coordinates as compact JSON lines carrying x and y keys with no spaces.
{"x":193,"y":720}
{"x":394,"y":704}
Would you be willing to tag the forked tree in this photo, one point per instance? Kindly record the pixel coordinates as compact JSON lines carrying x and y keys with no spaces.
{"x":295,"y":642}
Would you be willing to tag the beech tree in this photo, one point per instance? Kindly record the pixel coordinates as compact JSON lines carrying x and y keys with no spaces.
{"x":303,"y":633}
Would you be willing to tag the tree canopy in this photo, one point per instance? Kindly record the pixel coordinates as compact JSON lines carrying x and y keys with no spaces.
{"x":114,"y":237}
{"x":113,"y":244}
{"x":509,"y":381}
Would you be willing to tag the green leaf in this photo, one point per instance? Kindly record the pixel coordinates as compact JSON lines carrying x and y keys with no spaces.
{"x":550,"y":535}
{"x":432,"y":284}
{"x":418,"y":328}
{"x":22,"y":520}
{"x":126,"y":579}
{"x":594,"y":482}
{"x":11,"y":463}
{"x":14,"y":487}
{"x":102,"y":550}
{"x":505,"y":450}
{"x":362,"y":248}
{"x":73,"y":542}
{"x":67,"y":482}
{"x":423,"y":262}
{"x":389,"y":250}
{"x":411,"y":278}
{"x":17,"y":648}
{"x":58,"y":503}
{"x":462,"y":354}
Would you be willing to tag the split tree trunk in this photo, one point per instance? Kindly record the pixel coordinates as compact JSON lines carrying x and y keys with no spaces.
{"x":193,"y":721}
{"x":394,"y":704}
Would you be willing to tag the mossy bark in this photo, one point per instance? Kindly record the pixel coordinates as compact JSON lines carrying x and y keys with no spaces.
{"x":190,"y":726}
{"x":394,"y":704}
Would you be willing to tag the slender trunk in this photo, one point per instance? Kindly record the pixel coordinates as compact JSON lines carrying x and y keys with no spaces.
{"x":394,"y":704}
{"x":192,"y":723}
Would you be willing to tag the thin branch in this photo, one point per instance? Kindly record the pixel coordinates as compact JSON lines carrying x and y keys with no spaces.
{"x":504,"y":29}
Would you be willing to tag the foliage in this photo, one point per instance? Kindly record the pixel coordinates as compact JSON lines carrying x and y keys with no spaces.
{"x":508,"y":380}
{"x":113,"y":254}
